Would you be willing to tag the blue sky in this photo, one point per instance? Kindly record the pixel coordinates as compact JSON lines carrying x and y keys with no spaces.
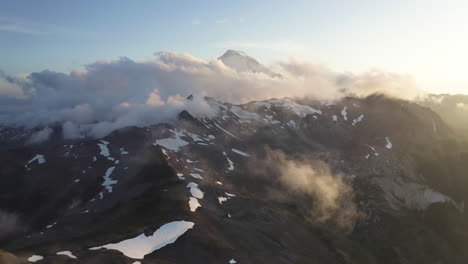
{"x":426,"y":39}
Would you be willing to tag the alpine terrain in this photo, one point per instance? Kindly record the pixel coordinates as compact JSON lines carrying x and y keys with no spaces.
{"x":286,"y":180}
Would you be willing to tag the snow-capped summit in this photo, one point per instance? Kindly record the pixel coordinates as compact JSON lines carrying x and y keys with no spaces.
{"x":241,"y":62}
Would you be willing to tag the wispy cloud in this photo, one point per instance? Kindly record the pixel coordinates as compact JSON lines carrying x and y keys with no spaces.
{"x":196,"y":22}
{"x":222,"y":21}
{"x":23,"y":26}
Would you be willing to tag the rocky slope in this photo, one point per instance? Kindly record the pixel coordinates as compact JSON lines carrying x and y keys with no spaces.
{"x":370,"y":180}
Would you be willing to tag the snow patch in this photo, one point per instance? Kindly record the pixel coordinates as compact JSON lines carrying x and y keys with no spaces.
{"x":173,"y":144}
{"x":298,"y":109}
{"x":199,"y":170}
{"x":104,"y":149}
{"x":291,"y":124}
{"x":193,"y":204}
{"x":39,"y":158}
{"x":123,"y":152}
{"x":373,"y":149}
{"x":108,"y":182}
{"x":195,"y":191}
{"x":51,"y":225}
{"x":66,"y":253}
{"x":142,"y":245}
{"x":225,"y":131}
{"x":222,"y":199}
{"x":35,"y":258}
{"x":344,"y":113}
{"x":357,"y":120}
{"x":196,"y":176}
{"x":389,"y":144}
{"x":241,"y":113}
{"x":240,"y":152}
{"x":231,"y":164}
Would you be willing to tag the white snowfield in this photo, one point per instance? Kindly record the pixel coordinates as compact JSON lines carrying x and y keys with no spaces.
{"x":173,"y":144}
{"x":66,"y":253}
{"x":39,"y":158}
{"x":35,"y":258}
{"x":195,"y":191}
{"x":104,"y":149}
{"x":240,"y":152}
{"x":193,"y":204}
{"x":142,"y":245}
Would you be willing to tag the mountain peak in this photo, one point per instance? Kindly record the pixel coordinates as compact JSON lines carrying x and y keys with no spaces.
{"x":231,"y":52}
{"x":241,"y":62}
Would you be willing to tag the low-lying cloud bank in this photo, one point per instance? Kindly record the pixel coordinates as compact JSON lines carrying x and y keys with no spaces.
{"x":109,"y":95}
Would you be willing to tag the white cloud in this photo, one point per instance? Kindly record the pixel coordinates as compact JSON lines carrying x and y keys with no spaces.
{"x":109,"y":95}
{"x":222,"y":21}
{"x":196,"y":22}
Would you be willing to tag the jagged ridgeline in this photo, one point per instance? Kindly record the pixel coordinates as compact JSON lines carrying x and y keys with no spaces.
{"x":358,"y":180}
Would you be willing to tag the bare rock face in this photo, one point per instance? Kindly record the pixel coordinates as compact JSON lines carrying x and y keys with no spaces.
{"x":360,"y":180}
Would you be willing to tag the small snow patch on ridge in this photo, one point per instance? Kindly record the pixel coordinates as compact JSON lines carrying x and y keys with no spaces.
{"x":389,"y":144}
{"x":193,"y":204}
{"x":104,"y":149}
{"x":222,"y":199}
{"x":123,"y":152}
{"x":344,"y":113}
{"x":108,"y":182}
{"x":357,"y":120}
{"x":35,"y":258}
{"x":39,"y":158}
{"x":196,"y":176}
{"x":66,"y":253}
{"x":231,"y":164}
{"x":240,"y":152}
{"x":195,"y":191}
